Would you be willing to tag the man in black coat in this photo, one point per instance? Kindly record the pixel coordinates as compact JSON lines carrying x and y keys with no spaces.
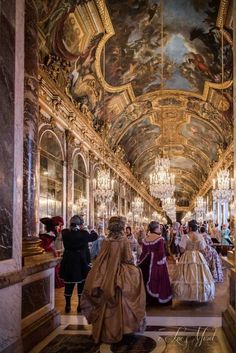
{"x":75,"y":262}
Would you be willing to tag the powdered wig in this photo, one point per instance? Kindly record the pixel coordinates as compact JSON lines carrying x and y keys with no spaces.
{"x":116,"y":227}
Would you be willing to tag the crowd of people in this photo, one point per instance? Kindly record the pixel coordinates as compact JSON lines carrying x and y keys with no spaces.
{"x":119,"y":273}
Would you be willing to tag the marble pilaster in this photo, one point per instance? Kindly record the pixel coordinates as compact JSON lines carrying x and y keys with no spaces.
{"x":31,"y":112}
{"x":31,"y":115}
{"x":7,"y":98}
{"x":11,"y":155}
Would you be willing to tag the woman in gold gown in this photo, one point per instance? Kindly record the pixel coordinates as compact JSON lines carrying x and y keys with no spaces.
{"x":113,"y":299}
{"x":192,"y":279}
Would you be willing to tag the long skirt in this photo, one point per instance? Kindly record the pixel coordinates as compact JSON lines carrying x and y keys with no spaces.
{"x":192,"y":279}
{"x":114,"y":310}
{"x":214,"y":263}
{"x":156,"y":281}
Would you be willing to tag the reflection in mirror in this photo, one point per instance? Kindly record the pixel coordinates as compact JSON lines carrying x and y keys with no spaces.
{"x":51,"y":176}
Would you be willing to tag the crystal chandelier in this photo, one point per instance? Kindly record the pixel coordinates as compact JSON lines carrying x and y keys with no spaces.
{"x":171,"y":213}
{"x":102,"y":210}
{"x":168,"y":204}
{"x":81,"y":205}
{"x":162,"y":182}
{"x":200,"y":204}
{"x":103,"y":186}
{"x":137,"y":205}
{"x":200,"y":209}
{"x":156,"y":216}
{"x":223,"y":187}
{"x":209,"y":216}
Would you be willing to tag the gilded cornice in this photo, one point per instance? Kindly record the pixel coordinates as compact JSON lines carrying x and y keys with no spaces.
{"x":72,"y":119}
{"x":225,"y":161}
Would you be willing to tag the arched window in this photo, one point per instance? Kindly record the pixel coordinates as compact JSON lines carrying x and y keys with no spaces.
{"x":80,"y":185}
{"x":51,"y":176}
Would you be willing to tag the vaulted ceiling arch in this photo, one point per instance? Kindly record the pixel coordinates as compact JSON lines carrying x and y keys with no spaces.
{"x":190,"y":152}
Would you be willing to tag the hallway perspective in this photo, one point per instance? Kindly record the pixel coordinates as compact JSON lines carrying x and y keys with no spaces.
{"x":117,"y":176}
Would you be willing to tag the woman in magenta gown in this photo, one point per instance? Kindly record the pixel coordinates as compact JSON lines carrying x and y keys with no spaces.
{"x":154,"y":268}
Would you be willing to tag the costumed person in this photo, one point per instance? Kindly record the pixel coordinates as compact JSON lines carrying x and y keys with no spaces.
{"x":76,"y":259}
{"x":53,"y":228}
{"x":140,"y":235}
{"x":166,"y":236}
{"x":225,"y":235}
{"x":113,"y":299}
{"x":215,"y":234}
{"x":212,"y":257}
{"x":192,"y":279}
{"x":135,"y":247}
{"x":175,"y":237}
{"x":153,"y":265}
{"x":225,"y":240}
{"x":97,"y":244}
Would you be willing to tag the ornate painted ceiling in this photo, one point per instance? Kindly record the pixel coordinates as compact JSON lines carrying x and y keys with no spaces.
{"x":190,"y":120}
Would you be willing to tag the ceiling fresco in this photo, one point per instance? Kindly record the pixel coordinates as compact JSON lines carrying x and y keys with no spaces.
{"x":192,"y":45}
{"x":190,"y":120}
{"x":138,"y":138}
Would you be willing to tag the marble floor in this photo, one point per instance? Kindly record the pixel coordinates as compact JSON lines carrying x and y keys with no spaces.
{"x":74,"y":336}
{"x":179,"y":313}
{"x":183,"y":327}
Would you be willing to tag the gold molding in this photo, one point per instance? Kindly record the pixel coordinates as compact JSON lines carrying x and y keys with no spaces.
{"x":168,"y":93}
{"x":82,"y":130}
{"x":109,"y":32}
{"x":222,"y":13}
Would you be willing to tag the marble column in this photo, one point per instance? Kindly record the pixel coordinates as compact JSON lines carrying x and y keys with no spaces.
{"x":31,"y":116}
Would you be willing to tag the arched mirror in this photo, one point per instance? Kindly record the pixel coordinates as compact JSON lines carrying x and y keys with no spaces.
{"x":79,"y":186}
{"x":51,"y":176}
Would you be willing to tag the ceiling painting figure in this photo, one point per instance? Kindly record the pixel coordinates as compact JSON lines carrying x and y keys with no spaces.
{"x":192,"y":45}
